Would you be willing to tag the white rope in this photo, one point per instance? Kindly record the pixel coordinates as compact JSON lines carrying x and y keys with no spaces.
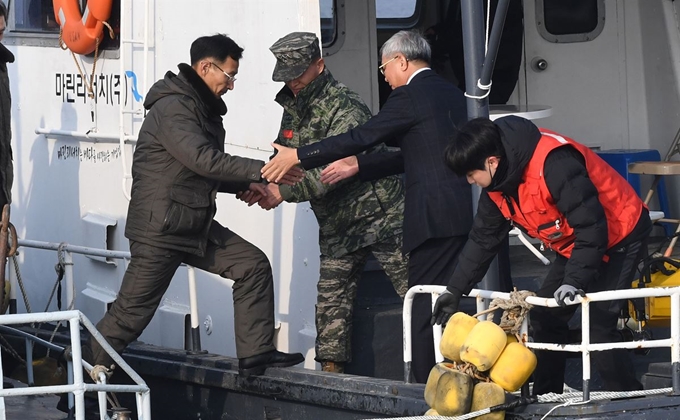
{"x":565,"y":400}
{"x":485,"y":88}
{"x":461,"y":417}
{"x":564,"y":404}
{"x":575,"y":398}
{"x":601,"y":395}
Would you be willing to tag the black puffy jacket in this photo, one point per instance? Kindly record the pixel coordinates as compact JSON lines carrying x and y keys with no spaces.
{"x":179,"y":165}
{"x":574,"y":194}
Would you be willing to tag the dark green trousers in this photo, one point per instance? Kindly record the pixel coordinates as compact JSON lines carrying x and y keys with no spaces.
{"x":149,"y":274}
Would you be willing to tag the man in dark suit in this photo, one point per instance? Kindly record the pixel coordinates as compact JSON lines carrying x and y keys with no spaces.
{"x":420,"y":117}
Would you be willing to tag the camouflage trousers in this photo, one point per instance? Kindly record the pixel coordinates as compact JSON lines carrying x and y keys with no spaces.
{"x":337,"y":289}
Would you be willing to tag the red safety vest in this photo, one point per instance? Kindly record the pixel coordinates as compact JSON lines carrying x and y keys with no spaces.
{"x":537,"y":213}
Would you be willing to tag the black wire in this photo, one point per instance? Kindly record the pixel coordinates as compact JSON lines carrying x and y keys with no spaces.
{"x":517,"y":403}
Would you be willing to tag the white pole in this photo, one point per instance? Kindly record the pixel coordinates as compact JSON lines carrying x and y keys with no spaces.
{"x":2,"y":398}
{"x":437,"y":334}
{"x":675,"y":341}
{"x":77,"y":355}
{"x":101,"y":396}
{"x":70,"y":282}
{"x":193,"y":300}
{"x":585,"y":342}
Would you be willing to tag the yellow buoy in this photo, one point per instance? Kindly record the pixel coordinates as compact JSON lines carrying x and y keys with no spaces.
{"x":433,"y":379}
{"x":454,"y":393}
{"x":431,"y":412}
{"x":483,"y":345}
{"x":510,"y":339}
{"x":485,"y":395}
{"x":455,"y":333}
{"x":513,"y":367}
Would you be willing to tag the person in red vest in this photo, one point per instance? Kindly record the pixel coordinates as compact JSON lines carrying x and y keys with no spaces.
{"x":560,"y":192}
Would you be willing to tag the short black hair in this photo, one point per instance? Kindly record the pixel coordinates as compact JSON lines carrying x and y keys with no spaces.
{"x":476,"y":141}
{"x":217,"y":46}
{"x":3,"y":10}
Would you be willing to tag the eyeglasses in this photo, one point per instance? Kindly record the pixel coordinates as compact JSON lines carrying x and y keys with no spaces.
{"x":382,"y":66}
{"x":230,"y":78}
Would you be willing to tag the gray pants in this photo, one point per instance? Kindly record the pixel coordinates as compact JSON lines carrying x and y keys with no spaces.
{"x":337,"y":289}
{"x":148,"y":277}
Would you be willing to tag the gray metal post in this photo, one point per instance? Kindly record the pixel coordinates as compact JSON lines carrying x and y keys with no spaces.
{"x":472,"y":15}
{"x":494,"y":41}
{"x":29,"y":362}
{"x":479,"y":67}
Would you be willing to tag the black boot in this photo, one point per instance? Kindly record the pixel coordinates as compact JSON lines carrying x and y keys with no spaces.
{"x":256,"y":365}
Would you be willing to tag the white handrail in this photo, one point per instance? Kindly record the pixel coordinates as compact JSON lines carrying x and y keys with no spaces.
{"x":484,"y":297}
{"x":78,"y":387}
{"x":68,"y":249}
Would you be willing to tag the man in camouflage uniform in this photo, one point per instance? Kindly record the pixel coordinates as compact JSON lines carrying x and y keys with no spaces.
{"x":355,"y":218}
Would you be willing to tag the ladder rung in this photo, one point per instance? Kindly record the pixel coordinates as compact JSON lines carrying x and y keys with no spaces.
{"x":132,"y":41}
{"x":135,"y":112}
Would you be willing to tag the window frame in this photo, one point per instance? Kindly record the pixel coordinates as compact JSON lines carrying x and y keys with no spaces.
{"x":400,"y":23}
{"x":569,"y":38}
{"x":28,"y":38}
{"x":339,"y":34}
{"x":19,"y":37}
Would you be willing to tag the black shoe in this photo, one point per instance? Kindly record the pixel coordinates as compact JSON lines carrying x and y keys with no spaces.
{"x":256,"y":365}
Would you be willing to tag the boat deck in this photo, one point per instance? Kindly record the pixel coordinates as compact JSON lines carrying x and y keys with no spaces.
{"x":36,"y":407}
{"x":212,"y":383}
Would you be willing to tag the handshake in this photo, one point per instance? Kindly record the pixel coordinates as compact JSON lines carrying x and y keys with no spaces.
{"x":268,"y":196}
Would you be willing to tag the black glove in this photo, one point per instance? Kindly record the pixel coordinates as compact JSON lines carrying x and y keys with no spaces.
{"x":567,"y":291}
{"x":445,"y":306}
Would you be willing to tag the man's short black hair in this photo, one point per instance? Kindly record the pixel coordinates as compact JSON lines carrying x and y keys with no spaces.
{"x":3,"y":10}
{"x":217,"y":46}
{"x":476,"y":141}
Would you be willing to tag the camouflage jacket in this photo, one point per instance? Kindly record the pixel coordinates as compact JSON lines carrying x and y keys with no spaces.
{"x":351,"y":214}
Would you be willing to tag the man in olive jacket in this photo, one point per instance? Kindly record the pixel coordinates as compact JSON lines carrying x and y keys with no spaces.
{"x":178,"y":168}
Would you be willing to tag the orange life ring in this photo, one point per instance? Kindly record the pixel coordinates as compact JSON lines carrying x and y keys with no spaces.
{"x":81,"y":32}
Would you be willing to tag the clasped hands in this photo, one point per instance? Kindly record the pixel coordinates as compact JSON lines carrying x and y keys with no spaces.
{"x":286,"y":159}
{"x":268,"y":195}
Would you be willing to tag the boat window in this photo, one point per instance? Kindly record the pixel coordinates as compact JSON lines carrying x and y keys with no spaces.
{"x":329,"y":26}
{"x":395,"y":9}
{"x":33,"y":16}
{"x":32,"y":22}
{"x":389,"y":13}
{"x":400,"y":14}
{"x":570,"y":21}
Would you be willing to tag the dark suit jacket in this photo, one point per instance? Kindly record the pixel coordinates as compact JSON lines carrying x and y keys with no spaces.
{"x":421,"y":119}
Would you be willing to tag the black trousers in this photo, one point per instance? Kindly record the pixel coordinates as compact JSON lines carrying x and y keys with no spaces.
{"x":551,"y":324}
{"x":149,"y":274}
{"x":433,"y":262}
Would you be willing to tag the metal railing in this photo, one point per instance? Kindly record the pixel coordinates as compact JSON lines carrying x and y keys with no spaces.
{"x":68,"y":251}
{"x":484,"y":297}
{"x":194,"y":343}
{"x":79,"y":387}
